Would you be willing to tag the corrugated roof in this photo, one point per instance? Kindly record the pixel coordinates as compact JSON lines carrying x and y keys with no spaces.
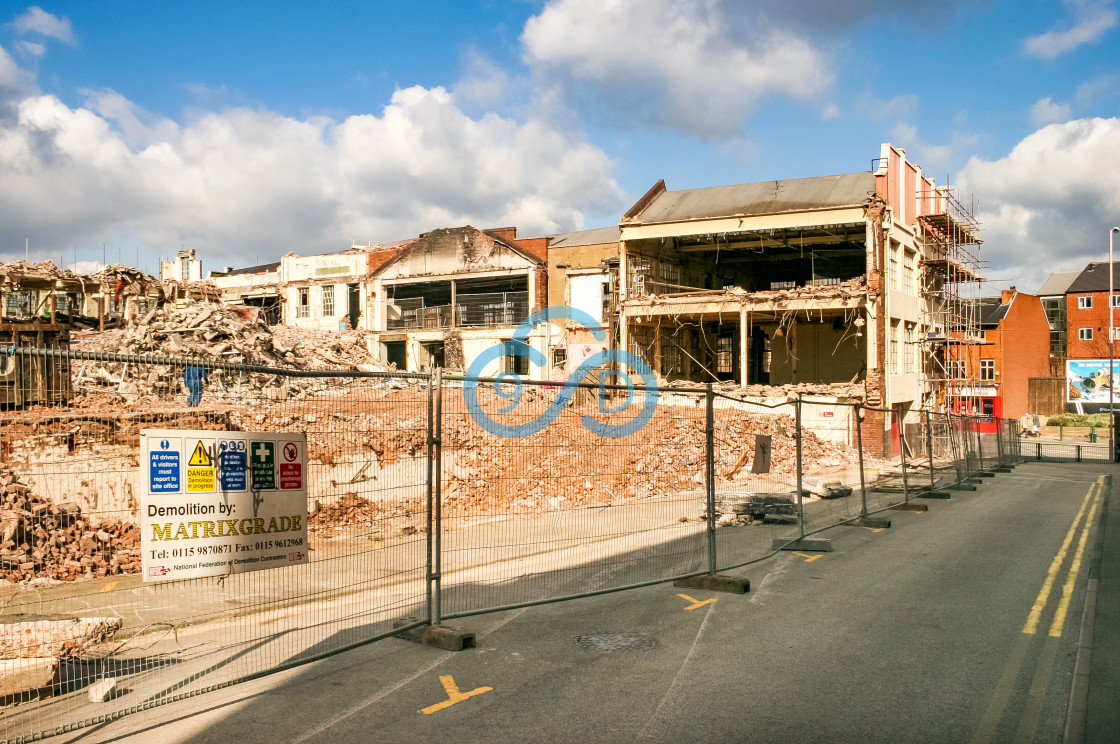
{"x":1094,"y":278}
{"x":766,"y":197}
{"x":1057,"y":284}
{"x":594,"y":236}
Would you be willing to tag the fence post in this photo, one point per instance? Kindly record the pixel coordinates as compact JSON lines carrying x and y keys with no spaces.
{"x":1038,"y":451}
{"x":437,"y":528}
{"x":979,"y":445}
{"x":929,"y":450}
{"x":428,"y":499}
{"x":800,"y":498}
{"x":999,"y":443}
{"x":859,"y":447}
{"x":710,"y":474}
{"x":902,"y":460}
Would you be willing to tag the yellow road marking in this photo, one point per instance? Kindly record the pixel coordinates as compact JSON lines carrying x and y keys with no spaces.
{"x":1056,"y":565}
{"x":109,"y":586}
{"x":695,"y":602}
{"x":873,"y":529}
{"x":808,"y":558}
{"x":1074,"y":568}
{"x":453,"y":695}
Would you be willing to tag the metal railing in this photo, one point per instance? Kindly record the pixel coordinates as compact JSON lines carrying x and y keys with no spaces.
{"x":420,"y":509}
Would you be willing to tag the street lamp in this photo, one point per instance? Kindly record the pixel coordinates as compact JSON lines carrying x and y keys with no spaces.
{"x":1111,"y":345}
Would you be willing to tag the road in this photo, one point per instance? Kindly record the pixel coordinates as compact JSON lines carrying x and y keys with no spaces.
{"x":960,"y":624}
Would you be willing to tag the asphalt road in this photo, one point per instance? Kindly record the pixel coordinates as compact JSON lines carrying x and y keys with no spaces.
{"x":959,"y":624}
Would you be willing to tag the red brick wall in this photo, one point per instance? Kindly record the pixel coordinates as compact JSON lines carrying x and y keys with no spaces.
{"x":1095,"y":318}
{"x":1020,"y":347}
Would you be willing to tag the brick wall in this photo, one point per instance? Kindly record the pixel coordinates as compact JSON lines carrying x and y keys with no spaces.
{"x":1094,"y":318}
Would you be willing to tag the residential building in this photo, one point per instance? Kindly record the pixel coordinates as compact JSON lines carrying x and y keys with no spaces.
{"x":1015,"y":348}
{"x":449,"y":295}
{"x":1053,"y":296}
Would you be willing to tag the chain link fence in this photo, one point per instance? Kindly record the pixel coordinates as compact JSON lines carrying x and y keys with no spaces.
{"x":429,"y":497}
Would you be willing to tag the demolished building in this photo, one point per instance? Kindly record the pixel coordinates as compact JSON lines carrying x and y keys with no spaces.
{"x":445,"y":297}
{"x":853,"y":278}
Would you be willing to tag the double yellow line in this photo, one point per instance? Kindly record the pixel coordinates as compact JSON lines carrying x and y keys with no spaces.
{"x":1091,"y":501}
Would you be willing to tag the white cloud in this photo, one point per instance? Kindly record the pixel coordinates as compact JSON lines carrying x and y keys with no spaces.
{"x":1092,"y":18}
{"x":697,"y":66}
{"x":31,"y":49}
{"x":1048,"y":205}
{"x":1045,"y":111}
{"x":244,"y":185}
{"x":38,"y":21}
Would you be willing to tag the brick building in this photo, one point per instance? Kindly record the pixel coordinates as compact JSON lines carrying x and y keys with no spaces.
{"x":1087,"y":313}
{"x":1015,"y":348}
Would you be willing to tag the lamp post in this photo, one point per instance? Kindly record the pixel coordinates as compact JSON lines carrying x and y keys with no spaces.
{"x":1111,"y":346}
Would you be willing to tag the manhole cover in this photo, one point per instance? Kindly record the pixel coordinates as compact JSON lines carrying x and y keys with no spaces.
{"x":615,"y":642}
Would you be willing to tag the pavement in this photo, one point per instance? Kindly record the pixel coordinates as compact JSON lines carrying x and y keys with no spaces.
{"x":1097,"y":672}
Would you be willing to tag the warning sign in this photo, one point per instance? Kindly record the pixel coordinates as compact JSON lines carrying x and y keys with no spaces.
{"x":291,"y":471}
{"x":222,"y":502}
{"x":200,"y":471}
{"x":200,"y":457}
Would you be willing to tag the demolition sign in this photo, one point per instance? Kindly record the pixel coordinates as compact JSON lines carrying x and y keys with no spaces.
{"x":221,"y":502}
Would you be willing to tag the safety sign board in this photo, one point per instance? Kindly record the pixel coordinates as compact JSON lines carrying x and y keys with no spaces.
{"x":220,"y":502}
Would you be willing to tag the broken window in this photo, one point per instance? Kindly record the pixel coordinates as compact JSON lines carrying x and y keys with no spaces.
{"x":22,"y":303}
{"x":987,"y":369}
{"x":638,"y":273}
{"x":303,"y":304}
{"x":328,"y":301}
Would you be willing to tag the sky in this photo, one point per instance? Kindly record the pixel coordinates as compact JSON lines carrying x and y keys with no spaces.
{"x":248,"y":130}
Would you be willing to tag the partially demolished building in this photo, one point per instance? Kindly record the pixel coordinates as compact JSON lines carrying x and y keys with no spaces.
{"x":851,"y":279}
{"x":445,"y":297}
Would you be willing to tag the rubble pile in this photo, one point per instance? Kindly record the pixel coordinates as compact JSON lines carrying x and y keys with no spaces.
{"x":216,"y":332}
{"x":41,"y":539}
{"x":351,"y":513}
{"x":564,"y":465}
{"x":852,"y":391}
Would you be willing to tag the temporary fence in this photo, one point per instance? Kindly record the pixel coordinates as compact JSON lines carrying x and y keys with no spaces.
{"x":429,"y":497}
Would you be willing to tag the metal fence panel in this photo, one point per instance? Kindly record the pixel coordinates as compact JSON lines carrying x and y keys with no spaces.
{"x":75,"y":606}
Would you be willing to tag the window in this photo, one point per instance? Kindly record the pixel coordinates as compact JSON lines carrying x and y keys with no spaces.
{"x":185,"y":270}
{"x":1084,"y":303}
{"x":892,"y":363}
{"x":908,"y":352}
{"x":957,"y":369}
{"x":910,"y":285}
{"x":1085,"y":334}
{"x":987,"y":369}
{"x":1116,"y":300}
{"x":328,"y":301}
{"x":303,"y":306}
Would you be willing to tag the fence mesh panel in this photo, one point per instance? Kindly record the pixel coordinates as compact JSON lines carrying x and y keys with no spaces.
{"x":426,"y":499}
{"x":73,"y":485}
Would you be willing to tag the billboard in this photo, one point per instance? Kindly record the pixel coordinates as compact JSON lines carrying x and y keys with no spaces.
{"x":220,"y":502}
{"x":1087,"y":381}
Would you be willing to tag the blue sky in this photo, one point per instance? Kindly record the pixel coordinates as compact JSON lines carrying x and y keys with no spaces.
{"x":247,"y":130}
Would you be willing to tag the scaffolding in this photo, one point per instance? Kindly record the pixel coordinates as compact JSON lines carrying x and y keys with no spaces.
{"x":950,"y":237}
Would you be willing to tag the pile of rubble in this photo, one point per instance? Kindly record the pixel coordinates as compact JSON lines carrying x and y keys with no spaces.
{"x":845,"y":391}
{"x":351,"y":514}
{"x":41,"y":539}
{"x":216,"y":332}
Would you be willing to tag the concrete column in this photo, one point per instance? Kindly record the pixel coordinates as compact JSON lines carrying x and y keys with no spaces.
{"x":744,"y":346}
